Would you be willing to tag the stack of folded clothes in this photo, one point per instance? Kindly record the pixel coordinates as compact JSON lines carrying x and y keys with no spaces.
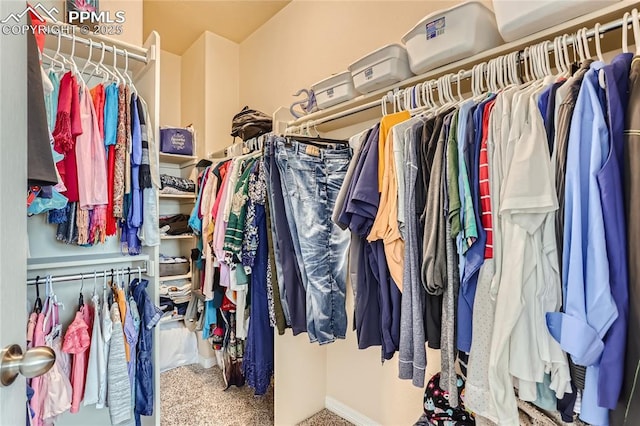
{"x":174,"y":297}
{"x":177,"y":224}
{"x":173,"y":265}
{"x":176,"y":186}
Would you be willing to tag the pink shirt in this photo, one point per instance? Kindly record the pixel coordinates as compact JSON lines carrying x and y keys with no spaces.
{"x":77,"y":342}
{"x":91,"y":157}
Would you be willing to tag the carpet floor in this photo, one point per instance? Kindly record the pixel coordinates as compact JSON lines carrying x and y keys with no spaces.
{"x":194,"y":396}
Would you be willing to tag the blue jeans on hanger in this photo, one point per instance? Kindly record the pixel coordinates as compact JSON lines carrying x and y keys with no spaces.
{"x":311,"y":179}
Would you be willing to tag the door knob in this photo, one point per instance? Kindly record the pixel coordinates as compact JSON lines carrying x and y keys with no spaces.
{"x":35,"y":362}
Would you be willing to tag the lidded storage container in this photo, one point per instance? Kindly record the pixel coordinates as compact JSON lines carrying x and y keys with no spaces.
{"x":520,"y":18}
{"x":334,"y":90}
{"x":449,"y":35}
{"x":381,"y":68}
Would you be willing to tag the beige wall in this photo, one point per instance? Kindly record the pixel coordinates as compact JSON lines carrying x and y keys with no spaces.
{"x":304,"y":43}
{"x":170,"y":83}
{"x":132,"y":28}
{"x":210,"y":85}
{"x":222,"y":90}
{"x":192,"y":78}
{"x":309,"y":40}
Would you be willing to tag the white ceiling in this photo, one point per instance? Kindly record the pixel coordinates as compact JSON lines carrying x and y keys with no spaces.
{"x":180,"y":23}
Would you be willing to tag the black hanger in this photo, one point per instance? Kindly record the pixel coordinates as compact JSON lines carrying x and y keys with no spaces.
{"x":81,"y":298}
{"x":319,"y":142}
{"x":129,"y":282}
{"x":37,"y":307}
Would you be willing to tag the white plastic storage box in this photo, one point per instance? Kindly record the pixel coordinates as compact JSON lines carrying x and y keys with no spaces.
{"x":334,"y":90}
{"x":520,"y":18}
{"x":449,"y":35}
{"x":382,"y":68}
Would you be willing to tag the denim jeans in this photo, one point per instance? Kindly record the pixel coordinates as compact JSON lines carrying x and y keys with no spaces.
{"x":311,"y":179}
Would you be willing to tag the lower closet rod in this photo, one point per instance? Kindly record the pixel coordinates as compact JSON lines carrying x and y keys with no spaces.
{"x":77,"y":277}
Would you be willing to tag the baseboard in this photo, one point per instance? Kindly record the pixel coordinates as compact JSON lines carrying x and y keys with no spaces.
{"x":206,"y":362}
{"x":348,"y":413}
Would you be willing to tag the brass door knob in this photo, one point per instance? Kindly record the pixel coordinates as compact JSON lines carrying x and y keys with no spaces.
{"x":35,"y":362}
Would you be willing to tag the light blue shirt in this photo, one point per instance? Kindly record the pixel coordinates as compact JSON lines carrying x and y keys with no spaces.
{"x":589,"y":308}
{"x":464,"y":188}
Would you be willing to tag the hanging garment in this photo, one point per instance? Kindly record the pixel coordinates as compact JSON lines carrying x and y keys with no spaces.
{"x":412,"y":353}
{"x":90,"y":154}
{"x":118,"y":385}
{"x":589,"y":306}
{"x":68,"y":127}
{"x":41,"y":169}
{"x":313,"y":177}
{"x":258,"y":358}
{"x":59,"y":393}
{"x":51,"y":99}
{"x":106,"y":330}
{"x":149,"y":317}
{"x":612,"y":197}
{"x":285,"y":254}
{"x":148,"y":233}
{"x":97,"y":360}
{"x":120,"y":155}
{"x":36,"y":402}
{"x":629,"y":405}
{"x":359,"y":213}
{"x":98,"y":97}
{"x":77,"y":342}
{"x":110,"y":130}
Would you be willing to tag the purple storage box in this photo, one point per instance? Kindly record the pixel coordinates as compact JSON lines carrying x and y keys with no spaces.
{"x":176,"y":140}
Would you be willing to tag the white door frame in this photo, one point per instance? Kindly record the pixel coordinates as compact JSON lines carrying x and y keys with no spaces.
{"x":13,"y":219}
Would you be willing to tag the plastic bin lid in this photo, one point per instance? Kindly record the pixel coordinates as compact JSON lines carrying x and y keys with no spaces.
{"x":442,"y":12}
{"x":386,"y":46}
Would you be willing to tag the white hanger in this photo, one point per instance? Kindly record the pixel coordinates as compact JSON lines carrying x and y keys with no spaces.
{"x":74,"y":67}
{"x":636,"y":30}
{"x":120,"y":77}
{"x":585,"y":40}
{"x":525,"y":63}
{"x":596,"y":37}
{"x":459,"y":85}
{"x":139,"y":274}
{"x":557,"y":56}
{"x":565,"y":50}
{"x":625,"y":29}
{"x":578,"y":41}
{"x":126,"y":72}
{"x":62,"y":62}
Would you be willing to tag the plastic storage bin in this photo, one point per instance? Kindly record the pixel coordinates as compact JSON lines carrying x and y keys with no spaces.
{"x":449,"y":35}
{"x":520,"y":18}
{"x":382,"y":68}
{"x":334,"y":90}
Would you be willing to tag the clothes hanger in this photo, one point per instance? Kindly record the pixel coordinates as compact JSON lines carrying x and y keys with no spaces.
{"x":585,"y":41}
{"x":81,"y":298}
{"x":37,"y":306}
{"x":120,"y":77}
{"x":459,"y":86}
{"x":139,"y":274}
{"x":74,"y":66}
{"x":62,"y":62}
{"x":126,"y":73}
{"x":625,"y":30}
{"x":636,"y":30}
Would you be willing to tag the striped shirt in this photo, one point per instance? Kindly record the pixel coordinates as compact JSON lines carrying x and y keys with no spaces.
{"x":485,"y":195}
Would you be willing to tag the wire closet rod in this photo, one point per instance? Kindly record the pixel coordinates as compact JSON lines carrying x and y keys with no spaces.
{"x":95,"y":44}
{"x":78,"y":277}
{"x":604,"y":28}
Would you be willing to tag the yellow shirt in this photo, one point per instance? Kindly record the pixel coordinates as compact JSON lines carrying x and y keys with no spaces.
{"x":385,"y":225}
{"x":387,"y":122}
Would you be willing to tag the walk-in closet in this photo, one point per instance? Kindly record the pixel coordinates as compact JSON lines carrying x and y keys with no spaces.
{"x":319,"y":212}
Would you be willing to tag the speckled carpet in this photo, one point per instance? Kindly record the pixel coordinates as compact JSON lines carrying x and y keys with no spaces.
{"x":325,"y":418}
{"x":194,"y":396}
